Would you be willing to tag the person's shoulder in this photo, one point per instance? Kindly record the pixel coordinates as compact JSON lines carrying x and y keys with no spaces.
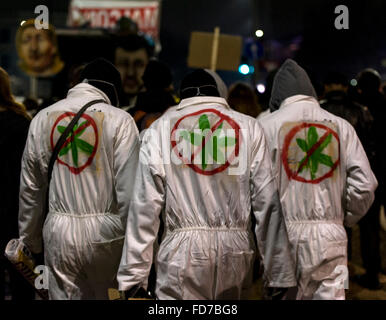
{"x":118,"y":112}
{"x":45,"y":111}
{"x":270,"y":118}
{"x":342,"y":124}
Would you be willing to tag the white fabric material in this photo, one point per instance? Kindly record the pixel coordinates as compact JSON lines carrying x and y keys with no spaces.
{"x":263,"y":114}
{"x":315,"y":212}
{"x":207,"y":250}
{"x":84,"y":230}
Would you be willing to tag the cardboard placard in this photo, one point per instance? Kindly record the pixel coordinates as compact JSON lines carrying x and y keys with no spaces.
{"x":200,"y":51}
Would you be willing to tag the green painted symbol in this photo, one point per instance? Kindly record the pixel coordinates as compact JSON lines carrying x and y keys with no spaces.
{"x":313,"y":147}
{"x":212,"y":146}
{"x":74,"y":142}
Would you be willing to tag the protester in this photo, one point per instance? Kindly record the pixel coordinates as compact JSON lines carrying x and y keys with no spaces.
{"x":132,"y":55}
{"x":14,"y":123}
{"x":90,"y":189}
{"x":157,"y":97}
{"x":369,"y":82}
{"x":324,"y":179}
{"x":337,"y":101}
{"x":243,"y":99}
{"x":207,"y":251}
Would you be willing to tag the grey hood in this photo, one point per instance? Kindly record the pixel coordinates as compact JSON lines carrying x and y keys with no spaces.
{"x":290,"y":80}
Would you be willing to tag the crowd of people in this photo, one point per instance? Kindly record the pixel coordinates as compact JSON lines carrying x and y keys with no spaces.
{"x":174,"y":196}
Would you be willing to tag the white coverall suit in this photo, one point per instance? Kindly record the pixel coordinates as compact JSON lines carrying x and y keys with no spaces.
{"x":89,"y":196}
{"x":324,"y":178}
{"x":207,"y":249}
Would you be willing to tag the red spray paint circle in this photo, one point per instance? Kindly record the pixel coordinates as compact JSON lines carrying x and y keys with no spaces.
{"x":287,"y":141}
{"x":90,"y":122}
{"x":223,"y":118}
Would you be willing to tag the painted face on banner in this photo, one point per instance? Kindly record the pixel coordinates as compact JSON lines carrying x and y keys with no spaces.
{"x":131,"y":65}
{"x":37,"y":49}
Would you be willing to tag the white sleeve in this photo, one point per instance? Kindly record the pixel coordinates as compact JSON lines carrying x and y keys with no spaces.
{"x":360,"y":181}
{"x":143,"y":221}
{"x":32,"y":193}
{"x":271,"y":232}
{"x":126,"y":150}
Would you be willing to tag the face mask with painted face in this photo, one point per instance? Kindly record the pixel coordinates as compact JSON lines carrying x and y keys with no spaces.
{"x":131,"y":65}
{"x":37,"y":49}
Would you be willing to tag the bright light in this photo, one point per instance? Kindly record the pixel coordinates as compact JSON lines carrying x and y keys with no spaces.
{"x":261,"y":88}
{"x":353,"y":82}
{"x":244,"y":69}
{"x":259,"y":33}
{"x":21,"y":23}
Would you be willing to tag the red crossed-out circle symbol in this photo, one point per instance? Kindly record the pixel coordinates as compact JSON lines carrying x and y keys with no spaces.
{"x":90,"y":123}
{"x":287,"y":142}
{"x":189,"y":162}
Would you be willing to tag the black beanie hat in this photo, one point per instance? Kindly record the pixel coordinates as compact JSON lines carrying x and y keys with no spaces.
{"x":369,"y":80}
{"x":198,"y":83}
{"x":157,"y":75}
{"x":103,"y":75}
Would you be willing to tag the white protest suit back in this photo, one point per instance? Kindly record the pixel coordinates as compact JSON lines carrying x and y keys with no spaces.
{"x":90,"y":192}
{"x":325,"y":181}
{"x":203,"y":167}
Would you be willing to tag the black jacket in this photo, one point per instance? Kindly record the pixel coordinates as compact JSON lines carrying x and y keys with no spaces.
{"x":13,"y":135}
{"x":359,"y":116}
{"x":376,"y":103}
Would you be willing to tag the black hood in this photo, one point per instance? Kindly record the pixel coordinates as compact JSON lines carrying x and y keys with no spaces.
{"x":103,"y":75}
{"x":290,"y":80}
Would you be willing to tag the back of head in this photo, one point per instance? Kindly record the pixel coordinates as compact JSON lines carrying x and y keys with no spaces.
{"x":369,"y":81}
{"x":198,"y":83}
{"x":290,"y":80}
{"x":158,"y":96}
{"x":5,"y":87}
{"x":336,"y":78}
{"x":243,"y":99}
{"x":103,"y":75}
{"x":7,"y":101}
{"x":335,"y":83}
{"x":157,"y":75}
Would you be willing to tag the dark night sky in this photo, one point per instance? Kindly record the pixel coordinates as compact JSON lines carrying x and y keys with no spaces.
{"x":323,"y":48}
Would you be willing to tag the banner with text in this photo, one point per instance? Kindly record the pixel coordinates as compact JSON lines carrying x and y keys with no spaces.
{"x":105,"y":14}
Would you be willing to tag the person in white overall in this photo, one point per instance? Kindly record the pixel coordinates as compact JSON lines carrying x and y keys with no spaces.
{"x":204,"y":168}
{"x":325,"y":181}
{"x":90,"y":189}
